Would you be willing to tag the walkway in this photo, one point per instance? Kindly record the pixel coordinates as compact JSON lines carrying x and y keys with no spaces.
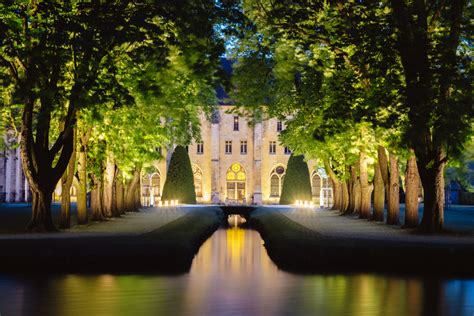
{"x":328,"y":223}
{"x":14,"y":217}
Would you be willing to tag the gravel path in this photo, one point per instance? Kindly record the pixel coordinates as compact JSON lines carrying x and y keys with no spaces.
{"x":331,"y":224}
{"x":130,"y":224}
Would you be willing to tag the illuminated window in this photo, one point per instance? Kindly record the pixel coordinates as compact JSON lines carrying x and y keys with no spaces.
{"x":279,"y":126}
{"x":200,"y":148}
{"x":150,"y":188}
{"x":236,"y":178}
{"x":272,"y":148}
{"x":155,"y":184}
{"x":276,"y":181}
{"x":236,"y":123}
{"x":243,"y":147}
{"x":316,"y":185}
{"x":228,"y":147}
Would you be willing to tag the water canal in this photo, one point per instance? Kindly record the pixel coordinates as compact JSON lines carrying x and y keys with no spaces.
{"x":233,"y":275}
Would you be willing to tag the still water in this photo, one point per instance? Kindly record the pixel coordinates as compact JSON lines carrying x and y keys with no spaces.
{"x":233,"y":275}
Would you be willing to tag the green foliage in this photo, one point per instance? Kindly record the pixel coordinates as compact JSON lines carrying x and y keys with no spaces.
{"x":179,"y":184}
{"x":297,"y":184}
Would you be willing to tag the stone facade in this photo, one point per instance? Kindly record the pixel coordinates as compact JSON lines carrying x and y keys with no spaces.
{"x":13,"y":185}
{"x":238,"y":163}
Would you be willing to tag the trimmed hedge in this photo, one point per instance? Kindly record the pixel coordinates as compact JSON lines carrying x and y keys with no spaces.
{"x":179,"y":184}
{"x":297,"y":184}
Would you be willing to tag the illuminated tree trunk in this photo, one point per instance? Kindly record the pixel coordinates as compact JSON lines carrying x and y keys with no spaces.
{"x":393,"y":211}
{"x":66,"y":183}
{"x":97,"y":207}
{"x":109,"y":187}
{"x":412,"y":184}
{"x":357,"y":196}
{"x":132,"y":193}
{"x":80,"y":182}
{"x":379,"y":194}
{"x":383,"y":165}
{"x":365,"y":187}
{"x":352,"y":196}
{"x":137,"y":203}
{"x":337,"y":194}
{"x":336,"y":185}
{"x":345,"y":197}
{"x":119,"y":195}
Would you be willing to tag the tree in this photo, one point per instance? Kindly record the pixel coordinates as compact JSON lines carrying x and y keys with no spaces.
{"x":406,"y":67}
{"x":179,"y":184}
{"x":59,"y":59}
{"x":297,"y":184}
{"x":437,"y":90}
{"x":53,"y":53}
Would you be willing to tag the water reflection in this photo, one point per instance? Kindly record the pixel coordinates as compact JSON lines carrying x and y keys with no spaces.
{"x":232,"y":274}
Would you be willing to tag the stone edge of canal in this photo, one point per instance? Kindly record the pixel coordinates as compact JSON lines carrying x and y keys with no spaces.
{"x":297,"y":249}
{"x":169,"y":249}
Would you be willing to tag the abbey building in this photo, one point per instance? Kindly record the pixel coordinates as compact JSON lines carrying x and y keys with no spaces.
{"x":237,"y":163}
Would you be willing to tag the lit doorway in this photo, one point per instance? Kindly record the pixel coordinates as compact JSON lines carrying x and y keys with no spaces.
{"x":236,"y":178}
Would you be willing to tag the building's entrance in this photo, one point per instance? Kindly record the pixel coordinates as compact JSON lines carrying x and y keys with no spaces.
{"x":236,"y":179}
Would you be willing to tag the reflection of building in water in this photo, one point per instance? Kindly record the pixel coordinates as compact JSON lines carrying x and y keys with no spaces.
{"x":238,"y":162}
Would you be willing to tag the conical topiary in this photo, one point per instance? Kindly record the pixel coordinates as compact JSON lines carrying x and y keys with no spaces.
{"x":179,"y":184}
{"x":296,"y":184}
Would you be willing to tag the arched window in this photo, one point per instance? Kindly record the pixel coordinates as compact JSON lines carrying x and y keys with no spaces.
{"x":197,"y":175}
{"x":151,"y":187}
{"x":155,"y":184}
{"x":145,"y":190}
{"x":316,"y":184}
{"x":276,"y":181}
{"x":235,"y":178}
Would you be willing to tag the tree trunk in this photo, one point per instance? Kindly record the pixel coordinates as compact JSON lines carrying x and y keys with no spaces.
{"x":39,"y":165}
{"x":119,"y":196}
{"x":411,"y":196}
{"x":80,"y":179}
{"x":80,"y":182}
{"x":350,"y":184}
{"x":432,"y":178}
{"x":97,"y":207}
{"x":365,"y":187}
{"x":383,"y":165}
{"x":337,"y":195}
{"x":393,"y":211}
{"x":357,"y":196}
{"x":137,"y":203}
{"x":345,"y":197}
{"x":41,"y":219}
{"x":131,"y":204}
{"x":66,"y":183}
{"x":108,"y":187}
{"x":379,"y":194}
{"x":336,"y":186}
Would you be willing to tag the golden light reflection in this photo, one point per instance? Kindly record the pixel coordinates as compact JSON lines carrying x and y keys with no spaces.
{"x":235,"y":244}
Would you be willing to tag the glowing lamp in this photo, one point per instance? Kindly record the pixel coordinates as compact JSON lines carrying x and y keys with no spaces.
{"x":172,"y":202}
{"x":160,"y":203}
{"x":166,"y":203}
